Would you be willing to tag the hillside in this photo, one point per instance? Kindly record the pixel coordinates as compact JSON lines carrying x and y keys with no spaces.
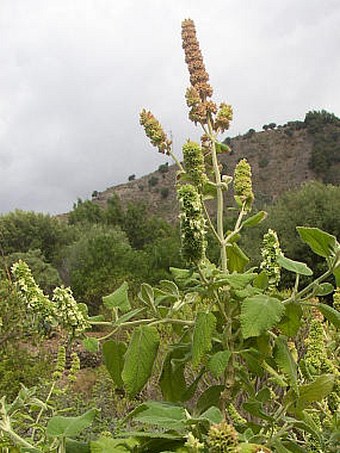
{"x":282,"y":158}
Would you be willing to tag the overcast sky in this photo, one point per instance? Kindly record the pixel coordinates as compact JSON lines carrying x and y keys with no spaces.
{"x":74,"y":75}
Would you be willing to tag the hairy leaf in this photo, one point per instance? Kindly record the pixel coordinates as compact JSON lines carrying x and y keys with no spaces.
{"x":291,"y":321}
{"x":113,"y":352}
{"x":118,"y":298}
{"x":255,"y":219}
{"x":330,"y":314}
{"x":161,"y":414}
{"x":201,"y":342}
{"x":284,"y":359}
{"x":60,"y":426}
{"x":237,"y":259}
{"x":210,"y":397}
{"x":218,"y":363}
{"x":139,"y":358}
{"x":91,"y":344}
{"x":319,"y":241}
{"x":294,"y":266}
{"x":260,"y":313}
{"x":172,"y":380}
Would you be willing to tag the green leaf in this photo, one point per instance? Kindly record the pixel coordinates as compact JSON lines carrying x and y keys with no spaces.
{"x":74,"y":446}
{"x":294,"y":266}
{"x":316,"y":391}
{"x":319,"y":241}
{"x":330,"y":314}
{"x":255,"y":219}
{"x":172,"y":381}
{"x":203,"y":331}
{"x":213,"y":415}
{"x":118,"y":299}
{"x":127,"y":316}
{"x":218,"y":363}
{"x":324,"y":289}
{"x":336,"y":273}
{"x":260,"y":313}
{"x":147,"y":296}
{"x":291,"y":321}
{"x":139,"y":358}
{"x":107,"y":445}
{"x":237,"y":259}
{"x":164,"y":415}
{"x":236,"y":280}
{"x":59,"y":426}
{"x":284,"y":360}
{"x":91,"y":344}
{"x":255,"y":408}
{"x":113,"y":352}
{"x":261,"y":281}
{"x":210,"y":397}
{"x":251,"y":448}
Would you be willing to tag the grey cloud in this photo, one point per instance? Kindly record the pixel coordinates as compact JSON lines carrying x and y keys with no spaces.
{"x":76,"y":74}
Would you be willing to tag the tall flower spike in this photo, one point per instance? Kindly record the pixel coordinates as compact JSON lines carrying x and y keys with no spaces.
{"x":193,"y":57}
{"x":192,"y":224}
{"x":194,"y":163}
{"x":243,"y":184}
{"x":270,"y":252}
{"x":155,"y":133}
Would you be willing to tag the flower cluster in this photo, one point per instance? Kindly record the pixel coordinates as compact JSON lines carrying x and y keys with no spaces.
{"x":243,"y":188}
{"x":193,"y":444}
{"x":270,"y":252}
{"x":71,"y":315}
{"x":194,"y":163}
{"x":336,"y":299}
{"x":40,"y":309}
{"x":75,"y":367}
{"x":154,"y":132}
{"x":62,"y":310}
{"x":223,"y":117}
{"x":61,"y":363}
{"x":194,"y":59}
{"x":235,"y":417}
{"x":222,"y":438}
{"x":192,"y":224}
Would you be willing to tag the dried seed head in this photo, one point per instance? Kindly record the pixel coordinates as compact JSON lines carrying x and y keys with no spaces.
{"x":223,"y":117}
{"x":154,"y":132}
{"x":193,"y":57}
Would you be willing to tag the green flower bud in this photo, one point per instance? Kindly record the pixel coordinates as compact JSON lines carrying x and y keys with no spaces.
{"x":75,"y":367}
{"x":270,"y":252}
{"x":61,"y":363}
{"x":235,"y":417}
{"x":243,"y":188}
{"x":194,"y":163}
{"x":193,"y":445}
{"x":222,"y":438}
{"x":192,"y":224}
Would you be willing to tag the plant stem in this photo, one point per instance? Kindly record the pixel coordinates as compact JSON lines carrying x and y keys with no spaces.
{"x":308,"y":288}
{"x":42,"y":409}
{"x":213,"y":229}
{"x":219,"y":215}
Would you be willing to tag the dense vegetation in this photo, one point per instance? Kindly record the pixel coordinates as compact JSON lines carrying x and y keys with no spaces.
{"x":203,"y":353}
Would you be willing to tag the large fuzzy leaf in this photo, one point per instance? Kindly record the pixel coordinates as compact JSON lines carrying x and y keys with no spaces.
{"x":284,"y":359}
{"x":330,"y":314}
{"x":218,"y":362}
{"x":118,"y":298}
{"x":139,"y":358}
{"x":319,"y":241}
{"x":260,"y":313}
{"x":113,"y":352}
{"x":294,"y":266}
{"x":201,"y":341}
{"x":60,"y":426}
{"x":172,"y":380}
{"x":291,"y":321}
{"x":164,"y":415}
{"x":237,"y":259}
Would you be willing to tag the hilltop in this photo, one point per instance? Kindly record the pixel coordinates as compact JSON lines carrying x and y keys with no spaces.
{"x":281,"y":157}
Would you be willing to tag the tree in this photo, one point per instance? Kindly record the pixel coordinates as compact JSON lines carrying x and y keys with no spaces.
{"x":21,"y":231}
